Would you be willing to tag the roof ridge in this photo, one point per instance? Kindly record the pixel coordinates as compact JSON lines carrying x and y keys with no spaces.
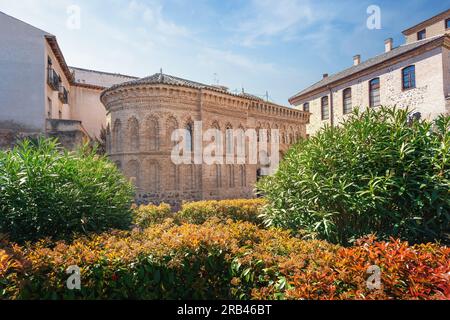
{"x":103,"y":72}
{"x":371,"y":62}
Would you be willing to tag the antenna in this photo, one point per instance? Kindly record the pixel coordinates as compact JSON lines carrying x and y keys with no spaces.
{"x":216,"y":78}
{"x":267,"y":96}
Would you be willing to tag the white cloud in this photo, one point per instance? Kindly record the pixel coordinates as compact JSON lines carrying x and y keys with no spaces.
{"x":152,"y":15}
{"x":268,"y":18}
{"x":215,"y":57}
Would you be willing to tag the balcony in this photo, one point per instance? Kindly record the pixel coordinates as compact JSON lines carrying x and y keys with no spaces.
{"x":63,"y":95}
{"x":70,"y":133}
{"x":53,"y":79}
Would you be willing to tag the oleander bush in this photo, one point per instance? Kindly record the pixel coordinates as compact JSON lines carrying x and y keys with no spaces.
{"x":232,"y":260}
{"x":377,"y":173}
{"x":48,"y":192}
{"x":145,"y":216}
{"x":236,"y":210}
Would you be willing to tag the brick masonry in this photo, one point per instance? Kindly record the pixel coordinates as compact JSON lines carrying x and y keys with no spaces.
{"x":141,"y":119}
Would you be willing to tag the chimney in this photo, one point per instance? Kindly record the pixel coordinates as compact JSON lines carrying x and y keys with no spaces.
{"x":356,"y":60}
{"x":325,"y":75}
{"x":388,"y":44}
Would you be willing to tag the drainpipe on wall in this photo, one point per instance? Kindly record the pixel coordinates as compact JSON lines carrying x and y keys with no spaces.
{"x":331,"y":107}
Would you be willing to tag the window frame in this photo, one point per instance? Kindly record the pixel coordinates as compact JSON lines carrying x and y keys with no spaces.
{"x":447,"y":24}
{"x":411,"y":79}
{"x":344,"y":99}
{"x":189,"y":137}
{"x":306,"y":107}
{"x":371,"y":89}
{"x":322,"y":105}
{"x":422,"y":32}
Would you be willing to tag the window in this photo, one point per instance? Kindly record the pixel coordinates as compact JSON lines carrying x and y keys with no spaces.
{"x":218,"y":176}
{"x":409,"y":77}
{"x":306,"y":107}
{"x":325,"y":108}
{"x":50,"y":108}
{"x":189,"y":137}
{"x":374,"y":92}
{"x":229,"y":140}
{"x":421,"y":34}
{"x":231,"y":176}
{"x":447,"y":23}
{"x":347,"y":100}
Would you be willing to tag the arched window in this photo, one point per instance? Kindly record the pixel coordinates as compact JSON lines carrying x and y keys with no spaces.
{"x":229,"y":139}
{"x":190,"y":137}
{"x":218,"y":176}
{"x":174,"y":177}
{"x":172,"y":125}
{"x":374,"y":92}
{"x":242,"y":176}
{"x":133,"y":134}
{"x":325,"y":108}
{"x":117,"y":136}
{"x":153,"y":134}
{"x":191,"y":182}
{"x":231,"y":176}
{"x":154,"y":178}
{"x":133,"y":172}
{"x":347,"y":100}
{"x":409,"y":77}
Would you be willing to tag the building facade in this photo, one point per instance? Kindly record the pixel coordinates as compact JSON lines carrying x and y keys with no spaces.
{"x":414,"y":75}
{"x":40,"y":94}
{"x":143,"y":114}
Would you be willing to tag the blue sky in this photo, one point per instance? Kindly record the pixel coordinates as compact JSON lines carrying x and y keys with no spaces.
{"x":279,"y":46}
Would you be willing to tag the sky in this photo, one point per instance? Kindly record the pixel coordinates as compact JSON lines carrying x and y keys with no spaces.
{"x":274,"y":46}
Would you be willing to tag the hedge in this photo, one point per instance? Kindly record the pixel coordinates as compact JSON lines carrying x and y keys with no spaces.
{"x":46,"y":191}
{"x":198,"y":212}
{"x":236,"y":210}
{"x":377,"y":172}
{"x":232,"y":260}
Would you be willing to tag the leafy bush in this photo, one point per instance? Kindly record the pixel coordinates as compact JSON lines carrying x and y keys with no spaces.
{"x":376,"y":173}
{"x":233,"y":260}
{"x":146,"y":215}
{"x":48,"y":192}
{"x":236,"y":210}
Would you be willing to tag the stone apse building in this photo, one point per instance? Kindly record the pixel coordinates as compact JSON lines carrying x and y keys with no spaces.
{"x":142,"y":114}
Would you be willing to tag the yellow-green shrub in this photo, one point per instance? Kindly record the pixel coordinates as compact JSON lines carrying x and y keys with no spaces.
{"x":236,"y":210}
{"x":146,"y":215}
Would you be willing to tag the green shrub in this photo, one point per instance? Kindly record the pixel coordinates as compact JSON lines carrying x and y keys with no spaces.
{"x":48,"y":192}
{"x":236,"y":210}
{"x":146,"y":215}
{"x":377,"y":173}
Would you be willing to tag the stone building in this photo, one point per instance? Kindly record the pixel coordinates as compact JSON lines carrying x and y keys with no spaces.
{"x":143,"y":114}
{"x":414,"y":75}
